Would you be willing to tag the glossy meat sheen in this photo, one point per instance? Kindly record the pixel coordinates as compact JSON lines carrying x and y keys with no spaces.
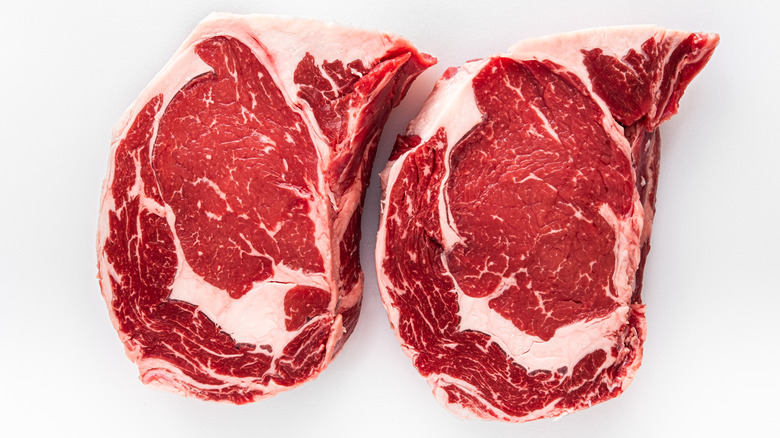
{"x":229,"y":231}
{"x":516,"y":219}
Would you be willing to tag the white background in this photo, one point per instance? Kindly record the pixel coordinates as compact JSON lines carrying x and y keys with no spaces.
{"x":68,"y":70}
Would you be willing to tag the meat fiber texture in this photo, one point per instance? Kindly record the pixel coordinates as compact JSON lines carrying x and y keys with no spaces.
{"x":516,"y":218}
{"x":230,"y":218}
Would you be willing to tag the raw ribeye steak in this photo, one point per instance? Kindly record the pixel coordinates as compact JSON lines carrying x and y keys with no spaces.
{"x":516,"y":218}
{"x":230,"y":219}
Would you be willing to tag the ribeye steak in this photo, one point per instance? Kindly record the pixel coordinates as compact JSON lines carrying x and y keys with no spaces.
{"x":516,"y":218}
{"x":230,"y":219}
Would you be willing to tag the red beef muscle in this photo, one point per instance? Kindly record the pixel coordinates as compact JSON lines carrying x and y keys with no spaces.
{"x":516,"y":219}
{"x":230,"y":222}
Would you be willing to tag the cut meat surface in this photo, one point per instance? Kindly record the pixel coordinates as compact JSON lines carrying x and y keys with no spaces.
{"x":516,"y":219}
{"x":230,"y":220}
